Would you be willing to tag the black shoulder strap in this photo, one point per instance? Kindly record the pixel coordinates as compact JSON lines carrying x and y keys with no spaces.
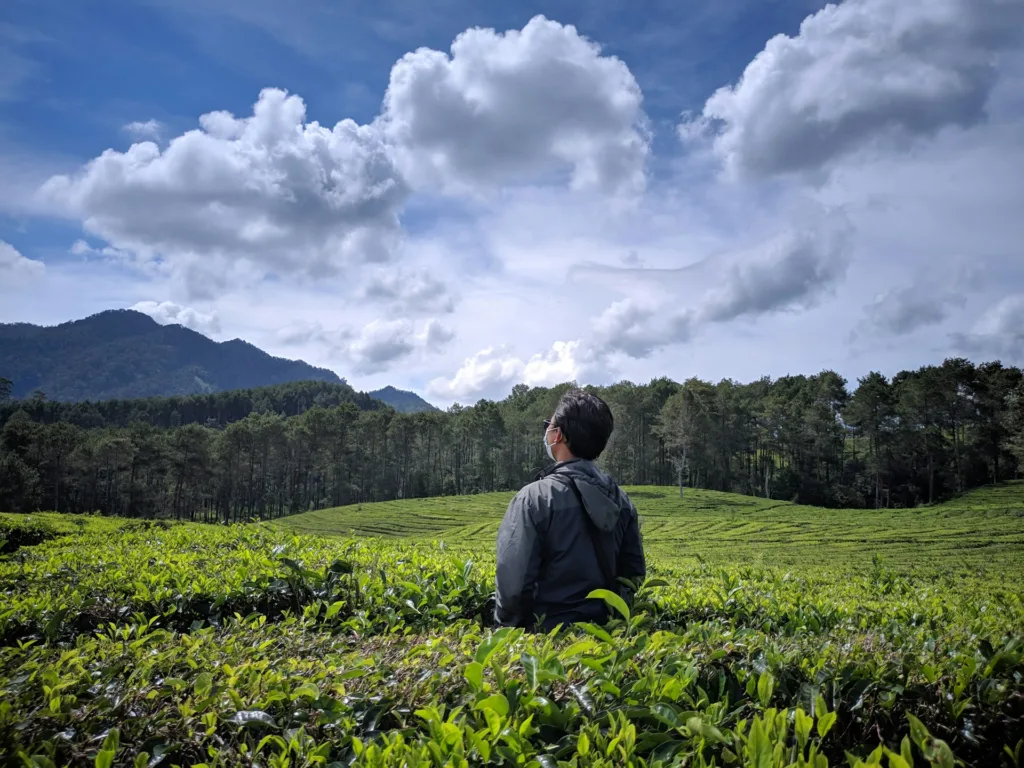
{"x":605,"y":559}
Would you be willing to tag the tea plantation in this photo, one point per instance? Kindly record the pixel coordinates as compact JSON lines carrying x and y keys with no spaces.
{"x":768,"y":635}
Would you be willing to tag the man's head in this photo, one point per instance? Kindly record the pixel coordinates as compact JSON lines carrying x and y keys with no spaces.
{"x":580,"y":426}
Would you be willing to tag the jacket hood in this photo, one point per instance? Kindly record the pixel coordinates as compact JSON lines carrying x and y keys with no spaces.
{"x":602,"y":498}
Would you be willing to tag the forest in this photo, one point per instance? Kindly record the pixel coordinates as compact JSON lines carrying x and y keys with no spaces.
{"x":918,"y":437}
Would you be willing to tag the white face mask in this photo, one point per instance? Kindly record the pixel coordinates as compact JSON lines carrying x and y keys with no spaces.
{"x":547,"y":446}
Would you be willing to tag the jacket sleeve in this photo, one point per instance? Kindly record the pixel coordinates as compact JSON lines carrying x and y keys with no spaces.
{"x":519,"y":557}
{"x":631,"y":562}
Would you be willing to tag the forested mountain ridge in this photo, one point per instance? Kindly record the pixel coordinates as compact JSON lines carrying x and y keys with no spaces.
{"x":216,"y":409}
{"x":919,"y":437}
{"x":402,"y":401}
{"x":126,"y":354}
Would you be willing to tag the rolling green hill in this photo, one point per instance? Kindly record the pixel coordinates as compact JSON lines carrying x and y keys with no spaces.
{"x":983,"y":526}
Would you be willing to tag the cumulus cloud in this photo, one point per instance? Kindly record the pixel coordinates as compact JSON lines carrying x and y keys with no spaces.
{"x":517,"y":106}
{"x":565,"y":361}
{"x":791,"y":271}
{"x":860,"y":74}
{"x":15,"y":268}
{"x":149,"y":129}
{"x":167,"y":313}
{"x":269,"y":193}
{"x":905,"y":309}
{"x":382,"y":343}
{"x":374,"y":347}
{"x":379,"y":344}
{"x":412,"y":291}
{"x":490,"y":370}
{"x":299,"y":332}
{"x":493,"y":371}
{"x":998,"y":333}
{"x":82,"y":248}
{"x":435,"y":335}
{"x":632,"y":327}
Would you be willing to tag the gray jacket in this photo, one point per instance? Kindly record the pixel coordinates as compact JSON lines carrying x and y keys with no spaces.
{"x":547,"y":564}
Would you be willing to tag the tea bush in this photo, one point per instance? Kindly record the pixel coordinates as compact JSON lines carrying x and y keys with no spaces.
{"x":142,"y":643}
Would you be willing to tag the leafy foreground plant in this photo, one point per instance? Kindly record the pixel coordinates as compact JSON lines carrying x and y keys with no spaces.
{"x":291,"y":693}
{"x":304,"y":651}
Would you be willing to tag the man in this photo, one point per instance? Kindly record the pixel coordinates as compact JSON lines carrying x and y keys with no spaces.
{"x":570,"y":532}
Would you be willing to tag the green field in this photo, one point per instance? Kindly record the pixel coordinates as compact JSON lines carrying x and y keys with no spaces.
{"x":773,"y":635}
{"x":983,"y":528}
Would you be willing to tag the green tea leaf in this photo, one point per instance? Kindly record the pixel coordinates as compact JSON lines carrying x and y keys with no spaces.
{"x":474,"y":674}
{"x":306,"y":691}
{"x":599,"y":632}
{"x":530,"y":666}
{"x":583,"y":744}
{"x":825,"y":723}
{"x":896,"y":761}
{"x":612,"y":600}
{"x":918,"y":733}
{"x":905,"y":751}
{"x":490,"y":645}
{"x":203,"y":685}
{"x":496,"y":702}
{"x":253,"y":718}
{"x":765,"y":688}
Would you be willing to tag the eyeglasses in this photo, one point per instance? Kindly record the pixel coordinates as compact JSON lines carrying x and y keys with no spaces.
{"x":548,"y":426}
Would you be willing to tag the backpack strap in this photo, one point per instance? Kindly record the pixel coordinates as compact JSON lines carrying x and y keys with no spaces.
{"x":605,"y":558}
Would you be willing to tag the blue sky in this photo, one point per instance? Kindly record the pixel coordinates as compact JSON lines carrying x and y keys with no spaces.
{"x":101,"y":65}
{"x":527,"y":207}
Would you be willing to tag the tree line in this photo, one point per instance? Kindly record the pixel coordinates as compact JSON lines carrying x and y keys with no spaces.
{"x":214,"y":408}
{"x":918,"y":437}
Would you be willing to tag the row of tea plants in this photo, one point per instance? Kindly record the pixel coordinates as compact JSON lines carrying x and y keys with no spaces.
{"x":134,"y":643}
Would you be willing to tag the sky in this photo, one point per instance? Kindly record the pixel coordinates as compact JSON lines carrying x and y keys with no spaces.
{"x":457,"y":197}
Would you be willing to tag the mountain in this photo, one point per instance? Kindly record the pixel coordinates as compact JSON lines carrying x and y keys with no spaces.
{"x":402,"y":401}
{"x":125,"y":354}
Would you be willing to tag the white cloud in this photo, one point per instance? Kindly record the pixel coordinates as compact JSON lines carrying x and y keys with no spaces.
{"x":791,"y":271}
{"x":627,"y":326}
{"x":415,"y":291}
{"x":998,"y":333}
{"x":269,"y":193}
{"x":905,"y":309}
{"x":379,"y":344}
{"x":492,"y":372}
{"x":15,"y":268}
{"x":862,"y":74}
{"x":142,"y":131}
{"x":167,"y":312}
{"x":374,"y":347}
{"x":106,"y":253}
{"x":565,"y":361}
{"x":298,"y":332}
{"x":517,"y":106}
{"x":435,"y":335}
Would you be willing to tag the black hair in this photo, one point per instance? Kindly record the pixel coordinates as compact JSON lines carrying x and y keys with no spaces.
{"x":586,"y":423}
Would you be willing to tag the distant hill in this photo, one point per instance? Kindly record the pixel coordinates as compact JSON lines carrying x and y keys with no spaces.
{"x":215,"y":409}
{"x":402,"y":401}
{"x":123,"y":354}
